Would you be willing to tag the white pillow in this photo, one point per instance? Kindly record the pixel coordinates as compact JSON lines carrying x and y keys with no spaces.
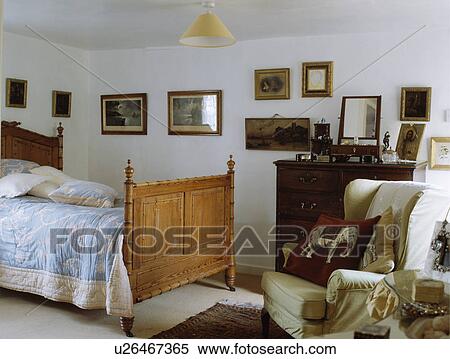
{"x":58,"y":176}
{"x":18,"y":184}
{"x":44,"y":189}
{"x":84,"y":193}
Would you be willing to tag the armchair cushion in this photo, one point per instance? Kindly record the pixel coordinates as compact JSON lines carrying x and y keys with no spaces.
{"x":300,"y":298}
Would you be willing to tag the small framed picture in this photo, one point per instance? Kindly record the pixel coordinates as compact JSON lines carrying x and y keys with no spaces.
{"x":16,"y":93}
{"x":415,"y":104}
{"x":440,"y":153}
{"x":317,"y":79}
{"x":409,"y":140}
{"x":124,"y":114}
{"x":62,"y":104}
{"x":273,"y":84}
{"x":195,"y":112}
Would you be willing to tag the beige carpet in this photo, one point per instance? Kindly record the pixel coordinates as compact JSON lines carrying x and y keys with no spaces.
{"x":27,"y":316}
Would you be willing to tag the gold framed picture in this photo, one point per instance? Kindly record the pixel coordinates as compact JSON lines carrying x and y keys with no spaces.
{"x":16,"y":93}
{"x":124,"y":114}
{"x":61,"y":104}
{"x":273,"y":84}
{"x":409,"y":140}
{"x":195,"y":113}
{"x":440,"y":153}
{"x":317,"y":79}
{"x":415,"y":104}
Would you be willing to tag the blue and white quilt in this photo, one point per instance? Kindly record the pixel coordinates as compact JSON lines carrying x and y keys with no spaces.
{"x":65,"y":253}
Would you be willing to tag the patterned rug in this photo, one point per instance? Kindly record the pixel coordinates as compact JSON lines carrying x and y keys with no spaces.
{"x":224,"y":321}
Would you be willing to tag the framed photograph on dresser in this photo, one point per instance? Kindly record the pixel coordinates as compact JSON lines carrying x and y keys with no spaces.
{"x":277,"y":134}
{"x":195,"y":113}
{"x":124,"y":114}
{"x":409,"y":140}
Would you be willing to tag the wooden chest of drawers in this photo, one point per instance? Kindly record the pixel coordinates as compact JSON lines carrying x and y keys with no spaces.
{"x":307,"y":189}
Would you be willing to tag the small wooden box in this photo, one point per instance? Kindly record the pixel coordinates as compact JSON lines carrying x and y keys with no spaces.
{"x":372,"y":332}
{"x":428,"y":291}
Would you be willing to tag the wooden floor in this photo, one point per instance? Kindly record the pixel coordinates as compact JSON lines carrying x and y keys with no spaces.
{"x":29,"y":316}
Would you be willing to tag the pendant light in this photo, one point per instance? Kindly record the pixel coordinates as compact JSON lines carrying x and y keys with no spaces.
{"x":208,"y":30}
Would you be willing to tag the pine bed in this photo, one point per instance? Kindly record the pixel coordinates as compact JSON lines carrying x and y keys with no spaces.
{"x":174,"y":232}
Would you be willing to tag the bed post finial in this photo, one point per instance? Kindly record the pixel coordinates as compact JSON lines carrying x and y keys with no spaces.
{"x":60,"y":130}
{"x":231,"y":164}
{"x":129,"y":172}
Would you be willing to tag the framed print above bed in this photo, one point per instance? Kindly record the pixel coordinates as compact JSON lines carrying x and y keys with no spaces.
{"x":195,"y":112}
{"x":62,"y":104}
{"x":124,"y":114}
{"x":16,"y":93}
{"x":277,"y":134}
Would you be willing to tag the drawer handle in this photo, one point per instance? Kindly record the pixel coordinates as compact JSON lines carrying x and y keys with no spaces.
{"x":308,"y":179}
{"x":311,"y":206}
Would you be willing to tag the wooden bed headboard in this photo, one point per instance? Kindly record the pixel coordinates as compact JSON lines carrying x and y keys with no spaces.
{"x":21,"y":144}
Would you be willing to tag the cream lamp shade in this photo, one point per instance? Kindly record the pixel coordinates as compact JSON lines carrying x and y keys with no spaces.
{"x":207,"y":31}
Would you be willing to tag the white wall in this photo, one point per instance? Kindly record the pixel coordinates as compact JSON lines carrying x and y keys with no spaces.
{"x":47,"y":69}
{"x":421,"y":61}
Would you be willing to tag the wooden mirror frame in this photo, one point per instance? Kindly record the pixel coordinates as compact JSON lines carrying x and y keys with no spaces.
{"x":377,"y":119}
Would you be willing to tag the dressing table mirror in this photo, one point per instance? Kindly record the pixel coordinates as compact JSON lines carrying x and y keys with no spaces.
{"x":359,"y":128}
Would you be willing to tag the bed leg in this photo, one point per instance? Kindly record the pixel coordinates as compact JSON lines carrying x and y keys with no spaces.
{"x":127,"y":324}
{"x":230,"y":277}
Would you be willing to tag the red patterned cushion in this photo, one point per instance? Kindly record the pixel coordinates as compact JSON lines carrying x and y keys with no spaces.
{"x":333,"y":244}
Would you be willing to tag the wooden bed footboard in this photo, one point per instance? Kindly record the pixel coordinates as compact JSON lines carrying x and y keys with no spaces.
{"x":177,"y":232}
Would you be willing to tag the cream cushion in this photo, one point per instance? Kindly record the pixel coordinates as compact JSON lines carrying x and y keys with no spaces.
{"x":56,"y":175}
{"x":300,"y":298}
{"x":379,"y":256}
{"x":18,"y":184}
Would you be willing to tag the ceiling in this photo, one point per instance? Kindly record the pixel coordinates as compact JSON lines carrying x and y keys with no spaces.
{"x":119,"y":24}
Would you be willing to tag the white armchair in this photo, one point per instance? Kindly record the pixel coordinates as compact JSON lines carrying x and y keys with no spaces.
{"x":305,"y":309}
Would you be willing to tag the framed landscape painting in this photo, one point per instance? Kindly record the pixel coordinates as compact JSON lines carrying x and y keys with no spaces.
{"x":16,"y":93}
{"x":62,"y":104}
{"x":124,"y":114}
{"x":277,"y":134}
{"x":272,"y":84}
{"x":195,"y":112}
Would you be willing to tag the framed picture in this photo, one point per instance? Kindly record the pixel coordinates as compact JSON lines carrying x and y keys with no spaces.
{"x":317,"y":79}
{"x":415,"y":104}
{"x":409,"y":140}
{"x":273,"y":84}
{"x":124,"y":114}
{"x":62,"y":104}
{"x":277,"y":134}
{"x":195,"y":112}
{"x":440,"y":153}
{"x":16,"y":93}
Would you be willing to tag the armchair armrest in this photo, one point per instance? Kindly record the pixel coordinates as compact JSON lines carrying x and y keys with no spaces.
{"x":347,"y":291}
{"x":349,"y":280}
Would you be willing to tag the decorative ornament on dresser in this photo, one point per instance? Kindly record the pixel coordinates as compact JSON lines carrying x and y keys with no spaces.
{"x":317,"y":79}
{"x":61,"y":104}
{"x":415,"y":104}
{"x":409,"y":140}
{"x":440,"y":153}
{"x":273,"y":84}
{"x":277,"y":134}
{"x":124,"y":114}
{"x":16,"y":93}
{"x":195,"y":112}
